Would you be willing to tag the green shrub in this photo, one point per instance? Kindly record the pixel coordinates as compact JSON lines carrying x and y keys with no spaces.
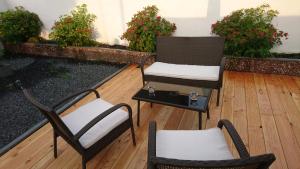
{"x":19,"y":25}
{"x":249,"y":32}
{"x":144,"y":27}
{"x":75,"y":29}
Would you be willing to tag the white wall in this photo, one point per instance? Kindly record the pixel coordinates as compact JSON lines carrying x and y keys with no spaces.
{"x":3,"y":5}
{"x":192,"y":17}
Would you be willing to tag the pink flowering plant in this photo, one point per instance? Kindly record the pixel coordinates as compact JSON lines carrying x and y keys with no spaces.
{"x":249,"y":32}
{"x":144,"y":27}
{"x":75,"y":29}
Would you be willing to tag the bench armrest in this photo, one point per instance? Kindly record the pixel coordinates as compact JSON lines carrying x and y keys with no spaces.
{"x":142,"y":64}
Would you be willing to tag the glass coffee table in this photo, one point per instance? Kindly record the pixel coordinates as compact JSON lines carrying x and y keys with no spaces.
{"x":187,"y":97}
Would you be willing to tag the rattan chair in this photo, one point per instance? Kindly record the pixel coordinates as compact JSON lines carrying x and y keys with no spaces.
{"x":200,"y":149}
{"x":91,"y":127}
{"x":194,"y":61}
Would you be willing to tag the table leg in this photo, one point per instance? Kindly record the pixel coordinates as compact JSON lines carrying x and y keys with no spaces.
{"x":200,"y":120}
{"x":207,"y":111}
{"x":151,"y":104}
{"x":138,"y":113}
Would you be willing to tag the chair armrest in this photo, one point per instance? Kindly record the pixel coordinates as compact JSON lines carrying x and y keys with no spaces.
{"x":74,"y":95}
{"x":222,"y":67}
{"x":100,"y":117}
{"x":18,"y":84}
{"x":238,"y":142}
{"x":151,"y":144}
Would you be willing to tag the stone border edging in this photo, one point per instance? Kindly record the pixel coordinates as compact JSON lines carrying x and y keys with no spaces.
{"x":82,"y":53}
{"x":282,"y":66}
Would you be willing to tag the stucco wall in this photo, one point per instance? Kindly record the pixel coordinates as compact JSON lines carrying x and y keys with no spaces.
{"x":192,"y":17}
{"x":3,"y":5}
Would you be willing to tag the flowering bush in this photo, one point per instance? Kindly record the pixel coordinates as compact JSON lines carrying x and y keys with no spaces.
{"x":249,"y":32}
{"x":144,"y":27}
{"x":19,"y":25}
{"x":75,"y":29}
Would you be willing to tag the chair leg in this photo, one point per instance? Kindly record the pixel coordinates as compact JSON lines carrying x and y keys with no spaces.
{"x":132,"y":133}
{"x":207,"y":111}
{"x":83,"y":163}
{"x":218,"y":97}
{"x":55,"y":144}
{"x":200,"y":119}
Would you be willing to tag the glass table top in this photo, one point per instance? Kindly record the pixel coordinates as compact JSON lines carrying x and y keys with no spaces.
{"x":195,"y":98}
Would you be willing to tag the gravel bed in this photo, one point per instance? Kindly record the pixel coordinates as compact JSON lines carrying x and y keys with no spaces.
{"x":48,"y":80}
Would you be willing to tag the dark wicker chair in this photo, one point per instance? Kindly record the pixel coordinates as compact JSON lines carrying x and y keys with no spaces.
{"x":90,"y":128}
{"x":204,"y":51}
{"x":200,"y":152}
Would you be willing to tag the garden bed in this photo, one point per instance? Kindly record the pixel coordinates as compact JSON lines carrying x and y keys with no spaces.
{"x":48,"y":79}
{"x":287,"y":64}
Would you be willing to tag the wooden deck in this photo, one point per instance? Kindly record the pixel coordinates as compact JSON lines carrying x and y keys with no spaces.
{"x":265,"y":109}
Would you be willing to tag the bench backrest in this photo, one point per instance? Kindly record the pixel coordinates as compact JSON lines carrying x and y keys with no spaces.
{"x":190,"y":50}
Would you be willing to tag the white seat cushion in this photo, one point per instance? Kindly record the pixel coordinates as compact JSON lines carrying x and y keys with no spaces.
{"x":193,"y":72}
{"x":198,"y":145}
{"x":83,"y":115}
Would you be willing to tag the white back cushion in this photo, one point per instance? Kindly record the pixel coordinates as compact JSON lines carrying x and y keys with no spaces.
{"x":193,"y":72}
{"x":198,"y":145}
{"x":83,"y":115}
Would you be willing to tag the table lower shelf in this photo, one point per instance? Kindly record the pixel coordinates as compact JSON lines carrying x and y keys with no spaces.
{"x":167,"y":104}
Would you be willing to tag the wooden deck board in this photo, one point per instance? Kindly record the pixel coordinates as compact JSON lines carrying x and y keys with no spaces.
{"x":272,"y":140}
{"x":255,"y":131}
{"x":288,"y":140}
{"x":264,"y":108}
{"x":239,"y":110}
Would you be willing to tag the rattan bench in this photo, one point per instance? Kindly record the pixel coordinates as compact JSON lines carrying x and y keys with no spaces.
{"x":194,"y":61}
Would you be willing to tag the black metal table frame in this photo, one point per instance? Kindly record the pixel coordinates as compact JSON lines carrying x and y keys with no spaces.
{"x":173,"y":105}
